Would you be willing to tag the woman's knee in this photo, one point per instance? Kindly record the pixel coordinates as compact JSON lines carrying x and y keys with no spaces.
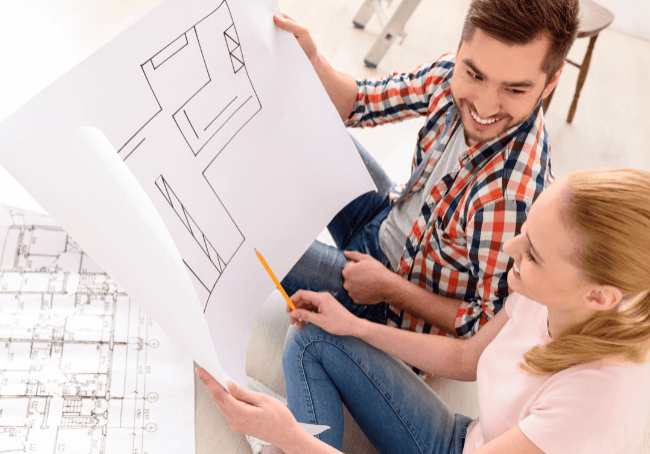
{"x":296,"y":342}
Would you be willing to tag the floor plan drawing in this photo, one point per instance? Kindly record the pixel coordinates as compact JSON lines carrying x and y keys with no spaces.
{"x":201,"y":97}
{"x":198,"y":80}
{"x":82,"y":368}
{"x":205,"y":263}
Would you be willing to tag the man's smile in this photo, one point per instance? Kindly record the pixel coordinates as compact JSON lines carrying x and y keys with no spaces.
{"x":481,"y":121}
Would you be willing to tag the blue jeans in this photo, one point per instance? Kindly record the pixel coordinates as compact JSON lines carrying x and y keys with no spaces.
{"x":396,"y":410}
{"x":354,"y":228}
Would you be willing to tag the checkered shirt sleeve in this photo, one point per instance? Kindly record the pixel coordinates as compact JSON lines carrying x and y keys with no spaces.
{"x":487,"y":230}
{"x":397,"y":97}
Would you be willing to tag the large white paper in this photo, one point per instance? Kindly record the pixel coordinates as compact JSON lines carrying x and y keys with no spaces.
{"x":82,"y":368}
{"x":227,"y":129}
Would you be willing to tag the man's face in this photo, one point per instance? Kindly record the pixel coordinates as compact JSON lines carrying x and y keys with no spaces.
{"x":497,"y":85}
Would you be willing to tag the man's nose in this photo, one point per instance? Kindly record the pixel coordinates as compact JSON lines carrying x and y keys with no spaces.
{"x":487,"y":103}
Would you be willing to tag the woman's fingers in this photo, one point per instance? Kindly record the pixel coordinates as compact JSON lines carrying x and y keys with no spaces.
{"x":244,"y":395}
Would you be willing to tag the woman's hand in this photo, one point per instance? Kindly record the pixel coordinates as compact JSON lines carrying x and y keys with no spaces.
{"x":254,"y":414}
{"x":287,"y":23}
{"x":323,"y":310}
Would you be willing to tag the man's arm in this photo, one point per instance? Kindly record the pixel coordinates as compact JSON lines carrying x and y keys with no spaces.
{"x":434,"y":309}
{"x":341,"y":89}
{"x":367,"y":281}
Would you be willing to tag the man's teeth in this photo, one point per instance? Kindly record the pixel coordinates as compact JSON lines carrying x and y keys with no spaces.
{"x":516,"y":268}
{"x":480,"y":120}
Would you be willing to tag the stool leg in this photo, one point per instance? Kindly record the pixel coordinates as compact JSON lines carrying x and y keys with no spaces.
{"x":392,"y":30}
{"x":584,"y":67}
{"x":364,"y":14}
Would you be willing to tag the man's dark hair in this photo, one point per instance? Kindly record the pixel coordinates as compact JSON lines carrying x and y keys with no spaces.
{"x":522,"y":21}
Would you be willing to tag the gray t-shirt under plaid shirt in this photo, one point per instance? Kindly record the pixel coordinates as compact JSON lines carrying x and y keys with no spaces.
{"x":394,"y":231}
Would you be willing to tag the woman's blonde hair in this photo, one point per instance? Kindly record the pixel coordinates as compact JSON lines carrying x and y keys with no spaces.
{"x":610,"y":210}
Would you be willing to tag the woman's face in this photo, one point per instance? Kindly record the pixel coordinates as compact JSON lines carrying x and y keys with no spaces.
{"x":543,"y":269}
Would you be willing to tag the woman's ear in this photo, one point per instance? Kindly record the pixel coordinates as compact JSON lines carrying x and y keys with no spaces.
{"x":603,"y":298}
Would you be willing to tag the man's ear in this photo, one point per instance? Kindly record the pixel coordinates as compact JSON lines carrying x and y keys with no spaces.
{"x":603,"y":298}
{"x":553,"y":82}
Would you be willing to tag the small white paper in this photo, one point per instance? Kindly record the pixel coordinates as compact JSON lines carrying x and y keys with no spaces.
{"x":314,"y":429}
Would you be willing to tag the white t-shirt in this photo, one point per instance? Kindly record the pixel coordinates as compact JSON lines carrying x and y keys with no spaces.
{"x":599,"y":407}
{"x":394,"y":231}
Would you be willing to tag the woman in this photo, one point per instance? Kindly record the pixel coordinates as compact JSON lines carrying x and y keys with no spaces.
{"x":562,"y":369}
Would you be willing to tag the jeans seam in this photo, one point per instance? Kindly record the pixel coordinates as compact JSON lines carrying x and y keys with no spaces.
{"x":304,"y":375}
{"x":367,"y":375}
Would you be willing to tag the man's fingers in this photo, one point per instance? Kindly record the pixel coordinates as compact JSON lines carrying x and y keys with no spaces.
{"x":353,"y":255}
{"x":286,"y":16}
{"x":290,"y":26}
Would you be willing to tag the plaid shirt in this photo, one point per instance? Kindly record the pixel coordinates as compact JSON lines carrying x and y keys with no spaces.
{"x":454,"y":248}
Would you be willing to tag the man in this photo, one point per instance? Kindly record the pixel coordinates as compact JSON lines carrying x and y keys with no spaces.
{"x":434,"y":252}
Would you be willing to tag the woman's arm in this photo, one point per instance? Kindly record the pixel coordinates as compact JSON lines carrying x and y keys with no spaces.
{"x":452,"y":358}
{"x":512,"y":442}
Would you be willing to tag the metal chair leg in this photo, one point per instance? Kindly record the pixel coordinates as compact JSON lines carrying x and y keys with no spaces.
{"x":393,"y":29}
{"x":584,"y":67}
{"x":364,"y":14}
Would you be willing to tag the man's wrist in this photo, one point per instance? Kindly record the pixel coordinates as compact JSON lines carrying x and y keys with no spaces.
{"x":390,"y":291}
{"x":318,"y":62}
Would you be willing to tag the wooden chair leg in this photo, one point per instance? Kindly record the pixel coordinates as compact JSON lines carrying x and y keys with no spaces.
{"x":547,"y":101}
{"x":581,"y":78}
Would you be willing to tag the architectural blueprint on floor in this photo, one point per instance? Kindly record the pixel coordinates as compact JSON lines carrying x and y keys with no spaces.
{"x":83,"y":370}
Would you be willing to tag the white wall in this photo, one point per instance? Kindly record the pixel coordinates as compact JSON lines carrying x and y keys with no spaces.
{"x":632,"y":17}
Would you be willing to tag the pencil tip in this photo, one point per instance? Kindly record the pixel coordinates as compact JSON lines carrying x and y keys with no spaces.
{"x":256,"y":251}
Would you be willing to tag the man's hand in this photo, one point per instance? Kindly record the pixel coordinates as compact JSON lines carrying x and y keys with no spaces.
{"x":301,"y":33}
{"x":252,"y":413}
{"x":323,"y":310}
{"x":366,"y":279}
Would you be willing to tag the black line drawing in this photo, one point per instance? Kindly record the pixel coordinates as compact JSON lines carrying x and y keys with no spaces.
{"x":208,"y":276}
{"x":188,"y":79}
{"x":201,"y":98}
{"x":76,"y":374}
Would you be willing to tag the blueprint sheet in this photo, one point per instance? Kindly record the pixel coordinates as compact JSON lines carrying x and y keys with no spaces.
{"x":83,"y":370}
{"x":228,"y":132}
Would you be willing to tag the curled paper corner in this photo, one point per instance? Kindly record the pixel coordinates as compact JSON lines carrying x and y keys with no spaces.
{"x":76,"y":175}
{"x":313,"y":429}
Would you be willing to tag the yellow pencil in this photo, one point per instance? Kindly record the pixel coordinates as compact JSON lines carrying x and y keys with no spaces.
{"x":275,"y":279}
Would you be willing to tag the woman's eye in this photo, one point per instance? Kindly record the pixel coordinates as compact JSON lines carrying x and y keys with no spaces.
{"x":530,"y":256}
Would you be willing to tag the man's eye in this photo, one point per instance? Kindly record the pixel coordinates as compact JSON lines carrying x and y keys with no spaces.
{"x":474,"y":75}
{"x":516,"y":92}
